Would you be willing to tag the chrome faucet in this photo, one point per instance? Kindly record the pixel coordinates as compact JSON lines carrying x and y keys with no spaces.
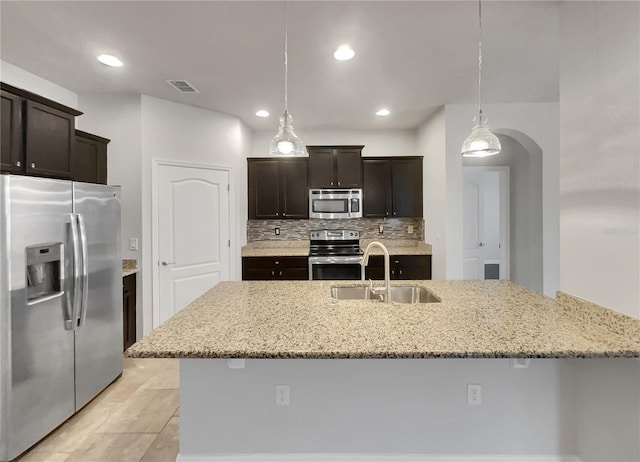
{"x":387,"y":279}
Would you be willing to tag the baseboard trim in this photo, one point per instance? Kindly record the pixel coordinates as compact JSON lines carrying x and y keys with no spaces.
{"x":371,"y":458}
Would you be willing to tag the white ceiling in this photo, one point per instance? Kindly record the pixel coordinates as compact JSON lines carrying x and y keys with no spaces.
{"x":410,"y":56}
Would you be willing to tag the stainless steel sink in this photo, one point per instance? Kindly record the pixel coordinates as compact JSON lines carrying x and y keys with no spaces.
{"x":399,"y":294}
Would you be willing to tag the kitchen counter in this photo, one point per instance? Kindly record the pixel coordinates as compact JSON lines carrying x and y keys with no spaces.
{"x":129,"y":266}
{"x":286,"y":248}
{"x":476,"y":319}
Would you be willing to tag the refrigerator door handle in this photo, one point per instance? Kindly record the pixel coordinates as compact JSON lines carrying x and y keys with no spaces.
{"x":75,"y":243}
{"x":85,"y":272}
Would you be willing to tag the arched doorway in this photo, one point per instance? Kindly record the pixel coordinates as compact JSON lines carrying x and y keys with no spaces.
{"x":523,"y":157}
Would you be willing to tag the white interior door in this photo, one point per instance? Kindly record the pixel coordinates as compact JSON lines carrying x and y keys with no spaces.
{"x":193,"y":234}
{"x":473,"y":227}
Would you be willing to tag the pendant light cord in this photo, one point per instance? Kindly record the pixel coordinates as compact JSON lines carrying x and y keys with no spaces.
{"x":480,"y":57}
{"x":286,"y":64}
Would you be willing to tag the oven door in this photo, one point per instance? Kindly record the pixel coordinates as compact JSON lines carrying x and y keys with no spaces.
{"x":336,"y":268}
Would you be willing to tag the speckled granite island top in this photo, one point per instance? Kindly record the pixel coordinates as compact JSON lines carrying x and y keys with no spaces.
{"x":299,"y":319}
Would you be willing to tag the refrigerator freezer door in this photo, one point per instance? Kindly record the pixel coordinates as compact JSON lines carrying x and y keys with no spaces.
{"x":99,"y":331}
{"x":36,"y":336}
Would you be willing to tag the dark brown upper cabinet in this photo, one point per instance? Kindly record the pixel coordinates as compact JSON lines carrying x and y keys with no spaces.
{"x":392,"y":187}
{"x":12,"y":158}
{"x":89,"y":161}
{"x":278,"y":188}
{"x":40,"y":134}
{"x":335,"y":166}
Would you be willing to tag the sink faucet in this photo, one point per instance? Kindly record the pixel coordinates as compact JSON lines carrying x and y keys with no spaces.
{"x":387,"y":279}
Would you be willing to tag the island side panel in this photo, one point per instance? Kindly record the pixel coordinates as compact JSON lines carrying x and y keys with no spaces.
{"x":370,"y":406}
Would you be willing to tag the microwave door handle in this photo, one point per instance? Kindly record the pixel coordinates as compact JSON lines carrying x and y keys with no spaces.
{"x":75,"y":272}
{"x":85,"y":273}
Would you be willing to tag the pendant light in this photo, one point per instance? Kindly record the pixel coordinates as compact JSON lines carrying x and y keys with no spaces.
{"x":286,"y":142}
{"x":481,"y":142}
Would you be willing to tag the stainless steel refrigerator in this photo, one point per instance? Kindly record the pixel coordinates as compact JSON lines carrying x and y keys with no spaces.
{"x":61,"y":303}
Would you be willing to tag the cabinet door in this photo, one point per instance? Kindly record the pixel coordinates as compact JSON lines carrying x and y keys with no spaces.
{"x":264,"y":188}
{"x":412,"y":266}
{"x":11,"y":120}
{"x":49,"y":141}
{"x":294,"y":188}
{"x":406,"y":180}
{"x":321,"y":168}
{"x":377,"y":188}
{"x":129,"y":310}
{"x":89,"y":161}
{"x":348,"y":163}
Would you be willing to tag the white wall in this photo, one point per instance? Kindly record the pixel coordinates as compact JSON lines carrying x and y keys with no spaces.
{"x":524,"y":122}
{"x":20,"y":78}
{"x":600,"y":153}
{"x":173,"y":131}
{"x":431,"y":144}
{"x":376,"y":142}
{"x":600,"y":208}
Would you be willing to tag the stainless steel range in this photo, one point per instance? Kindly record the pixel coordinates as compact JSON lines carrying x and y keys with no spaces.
{"x":335,"y":254}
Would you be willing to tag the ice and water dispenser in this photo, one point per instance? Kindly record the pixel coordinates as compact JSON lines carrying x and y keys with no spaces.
{"x":45,"y":273}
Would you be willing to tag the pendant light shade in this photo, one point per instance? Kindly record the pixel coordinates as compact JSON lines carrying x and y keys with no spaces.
{"x":481,"y":142}
{"x":286,"y":142}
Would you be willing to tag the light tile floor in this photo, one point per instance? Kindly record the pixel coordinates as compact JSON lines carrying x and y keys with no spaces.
{"x":134,"y":420}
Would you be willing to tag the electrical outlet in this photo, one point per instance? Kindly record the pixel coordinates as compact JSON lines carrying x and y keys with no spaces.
{"x":380,"y":229}
{"x":282,"y":395}
{"x":410,"y":229}
{"x":474,"y":394}
{"x":520,"y":363}
{"x":277,"y":231}
{"x":235,"y":363}
{"x":133,"y":243}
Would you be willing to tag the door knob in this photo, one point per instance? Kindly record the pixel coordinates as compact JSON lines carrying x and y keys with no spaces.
{"x":167,"y":263}
{"x":481,"y":244}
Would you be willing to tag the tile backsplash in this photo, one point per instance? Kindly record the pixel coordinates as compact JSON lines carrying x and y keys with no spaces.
{"x":394,"y":228}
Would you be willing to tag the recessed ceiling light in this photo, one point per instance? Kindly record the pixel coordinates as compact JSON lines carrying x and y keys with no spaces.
{"x":344,"y":53}
{"x":383,"y":112}
{"x":262,"y":113}
{"x":110,"y":60}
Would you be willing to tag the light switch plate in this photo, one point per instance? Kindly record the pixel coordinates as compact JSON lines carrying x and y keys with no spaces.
{"x":133,"y":243}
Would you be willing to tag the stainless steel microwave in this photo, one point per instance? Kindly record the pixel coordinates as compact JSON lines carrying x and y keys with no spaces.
{"x":335,"y":203}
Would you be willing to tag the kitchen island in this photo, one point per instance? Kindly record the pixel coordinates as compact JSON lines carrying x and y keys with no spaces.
{"x":348,"y":400}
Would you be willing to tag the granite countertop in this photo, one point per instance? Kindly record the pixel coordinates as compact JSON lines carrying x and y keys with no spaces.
{"x":129,"y":266}
{"x":476,"y":319}
{"x":287,"y":248}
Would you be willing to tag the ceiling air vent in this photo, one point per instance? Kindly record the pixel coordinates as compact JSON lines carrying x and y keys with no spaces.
{"x":182,"y":86}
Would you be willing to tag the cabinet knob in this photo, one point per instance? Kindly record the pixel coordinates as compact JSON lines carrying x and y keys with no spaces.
{"x":273,"y":273}
{"x":386,"y":213}
{"x":18,"y":163}
{"x":397,"y":261}
{"x":394,"y":214}
{"x":393,"y":272}
{"x":277,"y":262}
{"x":338,"y":183}
{"x":280,"y":273}
{"x":332,"y":183}
{"x":276,"y":213}
{"x":400,"y":272}
{"x":284,"y":214}
{"x":33,"y":165}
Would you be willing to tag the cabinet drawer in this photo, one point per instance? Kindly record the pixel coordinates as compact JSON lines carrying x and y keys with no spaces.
{"x":266,"y":274}
{"x":274,"y":262}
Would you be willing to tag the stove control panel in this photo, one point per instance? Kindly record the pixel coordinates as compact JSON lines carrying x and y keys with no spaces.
{"x":334,"y":235}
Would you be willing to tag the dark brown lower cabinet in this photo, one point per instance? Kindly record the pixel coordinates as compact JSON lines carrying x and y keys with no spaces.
{"x":129,"y":310}
{"x":401,"y":267}
{"x":274,"y":268}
